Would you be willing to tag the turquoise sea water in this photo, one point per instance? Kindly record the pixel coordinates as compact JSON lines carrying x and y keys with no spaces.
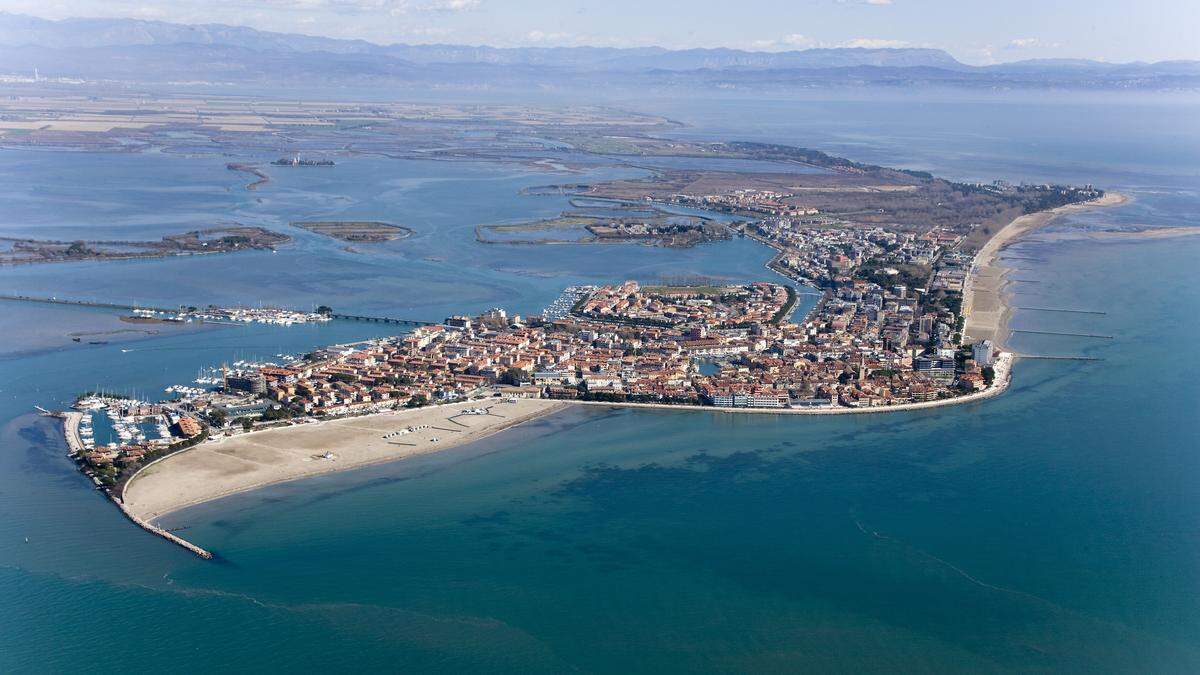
{"x":1054,"y":528}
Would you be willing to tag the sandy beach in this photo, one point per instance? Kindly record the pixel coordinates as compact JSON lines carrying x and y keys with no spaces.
{"x":984,"y":303}
{"x":235,"y":464}
{"x":229,"y":465}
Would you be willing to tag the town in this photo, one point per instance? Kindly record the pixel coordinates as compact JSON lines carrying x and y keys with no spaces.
{"x":720,"y":346}
{"x":885,"y":333}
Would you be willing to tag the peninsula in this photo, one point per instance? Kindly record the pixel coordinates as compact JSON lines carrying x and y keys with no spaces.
{"x":881,"y":293}
{"x":866,"y":346}
{"x":863,"y":348}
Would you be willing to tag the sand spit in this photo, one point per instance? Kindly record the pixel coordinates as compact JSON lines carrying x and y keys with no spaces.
{"x":984,"y":304}
{"x":1126,"y":235}
{"x":225,"y":466}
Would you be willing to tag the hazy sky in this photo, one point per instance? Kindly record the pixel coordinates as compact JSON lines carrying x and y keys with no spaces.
{"x":975,"y":31}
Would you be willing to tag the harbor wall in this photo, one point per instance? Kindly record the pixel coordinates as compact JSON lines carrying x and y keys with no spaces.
{"x":71,"y":422}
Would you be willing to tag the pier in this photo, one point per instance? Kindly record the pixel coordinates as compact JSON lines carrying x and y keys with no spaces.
{"x":1064,"y":311}
{"x":1047,"y":357}
{"x":1050,"y":332}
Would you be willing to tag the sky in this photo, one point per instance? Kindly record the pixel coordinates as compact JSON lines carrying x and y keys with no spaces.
{"x":974,"y":31}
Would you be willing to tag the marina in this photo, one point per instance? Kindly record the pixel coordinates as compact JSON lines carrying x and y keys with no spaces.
{"x":562,"y":305}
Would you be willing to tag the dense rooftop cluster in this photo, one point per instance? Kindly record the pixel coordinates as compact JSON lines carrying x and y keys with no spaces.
{"x":715,"y":307}
{"x":749,"y":201}
{"x":725,"y":346}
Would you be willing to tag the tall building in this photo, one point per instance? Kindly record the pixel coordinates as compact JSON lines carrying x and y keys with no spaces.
{"x":982,"y":353}
{"x":254,"y":384}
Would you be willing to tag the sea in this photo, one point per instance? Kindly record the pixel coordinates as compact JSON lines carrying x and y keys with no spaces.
{"x":1054,"y":528}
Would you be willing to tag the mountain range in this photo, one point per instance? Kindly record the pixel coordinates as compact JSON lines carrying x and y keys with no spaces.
{"x":150,"y":52}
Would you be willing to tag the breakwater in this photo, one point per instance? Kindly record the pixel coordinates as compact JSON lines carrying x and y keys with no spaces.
{"x":71,"y":420}
{"x":154,"y":529}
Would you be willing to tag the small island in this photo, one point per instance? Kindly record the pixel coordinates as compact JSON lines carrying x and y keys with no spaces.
{"x":261,"y":176}
{"x":359,"y":231}
{"x":614,"y":224}
{"x":296,"y":161}
{"x":14,"y":251}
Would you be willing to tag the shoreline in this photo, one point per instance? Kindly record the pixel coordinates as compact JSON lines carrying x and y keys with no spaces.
{"x":178,"y":488}
{"x":986,"y":305}
{"x":1003,"y":379}
{"x":241,"y":463}
{"x":245,"y":462}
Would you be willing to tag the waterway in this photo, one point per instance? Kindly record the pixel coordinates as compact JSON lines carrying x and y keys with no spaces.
{"x":1056,"y":527}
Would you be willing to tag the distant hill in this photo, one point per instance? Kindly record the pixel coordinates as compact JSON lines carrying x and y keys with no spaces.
{"x":19,"y":30}
{"x":154,"y":51}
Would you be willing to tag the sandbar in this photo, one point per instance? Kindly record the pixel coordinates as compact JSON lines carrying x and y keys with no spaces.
{"x":228,"y":465}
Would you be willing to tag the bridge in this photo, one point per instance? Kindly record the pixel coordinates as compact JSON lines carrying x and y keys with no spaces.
{"x":382,"y":319}
{"x":116,"y":305}
{"x":85,"y":303}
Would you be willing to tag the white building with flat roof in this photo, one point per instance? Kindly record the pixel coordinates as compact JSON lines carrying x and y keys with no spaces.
{"x":982,"y":353}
